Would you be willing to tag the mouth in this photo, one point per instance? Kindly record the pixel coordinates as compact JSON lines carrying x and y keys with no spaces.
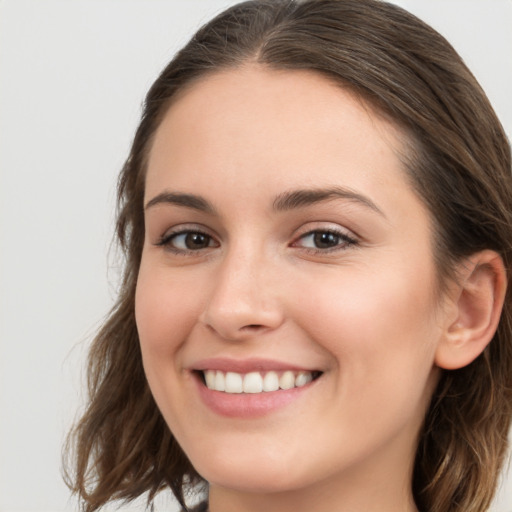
{"x":255,"y":382}
{"x":251,"y":388}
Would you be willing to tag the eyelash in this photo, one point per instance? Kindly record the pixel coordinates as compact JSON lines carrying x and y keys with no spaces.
{"x":167,"y":239}
{"x":344,"y":241}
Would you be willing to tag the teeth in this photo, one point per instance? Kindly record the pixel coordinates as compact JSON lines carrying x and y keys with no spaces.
{"x":220,"y":381}
{"x":271,"y":382}
{"x":255,"y":382}
{"x":287,"y":380}
{"x":209,"y":376}
{"x":234,"y":382}
{"x":303,"y":378}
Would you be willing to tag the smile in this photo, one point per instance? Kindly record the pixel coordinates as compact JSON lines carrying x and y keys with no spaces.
{"x":256,"y":382}
{"x":251,"y":388}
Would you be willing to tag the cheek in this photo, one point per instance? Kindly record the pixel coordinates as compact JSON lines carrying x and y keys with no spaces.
{"x":374,"y":322}
{"x":165,"y":311}
{"x":381,"y":334}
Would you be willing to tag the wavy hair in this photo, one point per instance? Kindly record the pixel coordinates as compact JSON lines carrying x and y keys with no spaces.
{"x":459,"y":163}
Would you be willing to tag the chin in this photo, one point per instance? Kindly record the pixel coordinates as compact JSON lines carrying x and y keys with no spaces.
{"x":254,"y":484}
{"x":259,"y":477}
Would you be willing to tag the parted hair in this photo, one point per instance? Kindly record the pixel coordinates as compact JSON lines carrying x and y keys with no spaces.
{"x":458,"y":161}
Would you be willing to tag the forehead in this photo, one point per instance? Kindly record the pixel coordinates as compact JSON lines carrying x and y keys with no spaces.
{"x":258,"y":127}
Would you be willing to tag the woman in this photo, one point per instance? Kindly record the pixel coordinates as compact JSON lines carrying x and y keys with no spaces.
{"x":317,"y":219}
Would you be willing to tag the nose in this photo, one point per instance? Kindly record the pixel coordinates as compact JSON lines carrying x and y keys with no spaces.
{"x":244,"y":300}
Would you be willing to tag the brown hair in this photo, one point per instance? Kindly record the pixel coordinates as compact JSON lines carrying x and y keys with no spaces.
{"x":459,"y":163}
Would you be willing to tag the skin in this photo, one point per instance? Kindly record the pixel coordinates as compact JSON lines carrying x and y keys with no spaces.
{"x":365,"y":313}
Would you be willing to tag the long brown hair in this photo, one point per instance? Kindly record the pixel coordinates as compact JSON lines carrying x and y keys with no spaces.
{"x":459,"y":163}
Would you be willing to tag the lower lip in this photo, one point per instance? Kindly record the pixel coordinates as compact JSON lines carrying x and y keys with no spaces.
{"x":248,"y":405}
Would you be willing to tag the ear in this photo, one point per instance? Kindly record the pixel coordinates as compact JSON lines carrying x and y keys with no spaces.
{"x":477,"y":300}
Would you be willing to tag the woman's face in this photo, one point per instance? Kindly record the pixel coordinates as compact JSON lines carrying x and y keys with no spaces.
{"x":284,"y":247}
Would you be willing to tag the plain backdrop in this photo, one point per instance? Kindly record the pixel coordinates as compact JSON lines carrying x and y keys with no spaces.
{"x":73,"y":74}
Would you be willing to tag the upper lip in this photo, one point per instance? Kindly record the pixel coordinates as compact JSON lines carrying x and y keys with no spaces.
{"x":246,"y":365}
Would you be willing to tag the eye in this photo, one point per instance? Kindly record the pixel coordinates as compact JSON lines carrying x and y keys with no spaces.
{"x":187,"y":241}
{"x":324,"y":240}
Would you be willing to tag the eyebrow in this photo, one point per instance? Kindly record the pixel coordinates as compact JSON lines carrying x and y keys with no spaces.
{"x":283,"y":202}
{"x":177,"y":198}
{"x":302,"y":198}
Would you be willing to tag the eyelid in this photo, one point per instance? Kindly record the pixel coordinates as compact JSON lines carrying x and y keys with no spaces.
{"x":311,"y":227}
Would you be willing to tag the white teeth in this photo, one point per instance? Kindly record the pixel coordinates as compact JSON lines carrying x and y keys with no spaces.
{"x":220,"y":382}
{"x":255,"y":382}
{"x":271,"y":382}
{"x":234,"y":383}
{"x":287,"y":380}
{"x":303,"y":378}
{"x":209,"y":377}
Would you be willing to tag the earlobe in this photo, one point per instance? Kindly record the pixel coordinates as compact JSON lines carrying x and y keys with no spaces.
{"x":478,"y":301}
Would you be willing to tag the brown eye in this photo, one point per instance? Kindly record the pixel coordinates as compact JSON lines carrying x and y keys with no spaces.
{"x":188,"y":241}
{"x":325,"y":239}
{"x":196,"y":241}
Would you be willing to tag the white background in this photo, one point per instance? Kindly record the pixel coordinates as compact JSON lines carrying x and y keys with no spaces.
{"x":73,"y":74}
